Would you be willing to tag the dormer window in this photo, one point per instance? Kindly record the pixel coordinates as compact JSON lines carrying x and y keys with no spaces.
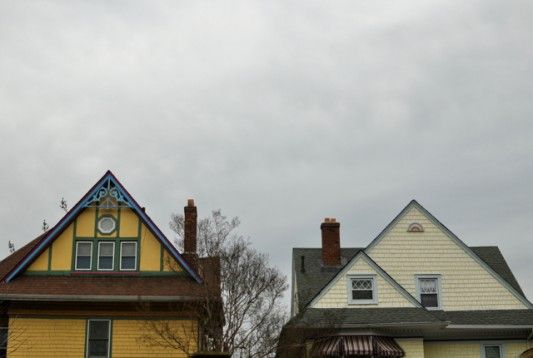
{"x":429,"y":291}
{"x":362,"y":290}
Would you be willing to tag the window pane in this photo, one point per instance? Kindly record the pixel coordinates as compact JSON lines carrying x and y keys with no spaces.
{"x":105,"y":263}
{"x":362,"y":295}
{"x":428,"y":285}
{"x":106,"y":249}
{"x":492,"y":352}
{"x":98,"y":329}
{"x":83,"y":262}
{"x":84,"y":249}
{"x":128,"y":249}
{"x":429,"y":300}
{"x":365,"y":284}
{"x":128,"y":263}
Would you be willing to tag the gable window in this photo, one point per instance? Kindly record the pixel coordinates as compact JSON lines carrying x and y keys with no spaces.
{"x":107,"y":224}
{"x":128,"y":256}
{"x":492,"y":351}
{"x":84,"y":254}
{"x":106,"y":251}
{"x":98,"y":333}
{"x":429,"y":291}
{"x":361,"y":290}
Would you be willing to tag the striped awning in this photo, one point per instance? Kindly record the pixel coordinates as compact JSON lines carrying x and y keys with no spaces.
{"x":347,"y":346}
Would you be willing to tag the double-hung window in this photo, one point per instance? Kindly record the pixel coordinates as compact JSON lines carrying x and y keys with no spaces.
{"x":106,"y":253}
{"x":128,"y":256}
{"x":98,"y":338}
{"x":362,"y":290}
{"x":429,"y":291}
{"x":492,"y":351}
{"x":84,"y":254}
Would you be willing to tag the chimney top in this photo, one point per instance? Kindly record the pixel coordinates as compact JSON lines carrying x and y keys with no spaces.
{"x":330,"y":220}
{"x":190,"y":202}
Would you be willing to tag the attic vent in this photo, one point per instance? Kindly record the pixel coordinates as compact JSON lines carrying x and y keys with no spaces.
{"x":415,"y":227}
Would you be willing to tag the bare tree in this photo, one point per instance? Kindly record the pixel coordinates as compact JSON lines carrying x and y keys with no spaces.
{"x":251,"y":288}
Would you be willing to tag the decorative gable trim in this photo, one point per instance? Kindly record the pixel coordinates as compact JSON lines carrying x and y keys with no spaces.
{"x":454,"y":238}
{"x":102,"y":189}
{"x":375,"y":267}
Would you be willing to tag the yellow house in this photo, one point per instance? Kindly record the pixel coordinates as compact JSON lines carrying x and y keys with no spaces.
{"x":415,"y":291}
{"x":106,"y":282}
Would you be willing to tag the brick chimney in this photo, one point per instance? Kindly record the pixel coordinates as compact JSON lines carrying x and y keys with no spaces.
{"x":189,"y":235}
{"x":331,"y":242}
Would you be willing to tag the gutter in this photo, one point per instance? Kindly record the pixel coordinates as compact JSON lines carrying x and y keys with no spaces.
{"x":492,"y":326}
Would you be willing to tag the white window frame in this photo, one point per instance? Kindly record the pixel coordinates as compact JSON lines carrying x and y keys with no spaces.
{"x":112,"y":256}
{"x":370,"y":277}
{"x":492,"y":344}
{"x":439,"y":289}
{"x":136,"y":255}
{"x":76,"y":257}
{"x":88,"y":332}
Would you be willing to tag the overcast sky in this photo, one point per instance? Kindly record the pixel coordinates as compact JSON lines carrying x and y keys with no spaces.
{"x":278,"y":112}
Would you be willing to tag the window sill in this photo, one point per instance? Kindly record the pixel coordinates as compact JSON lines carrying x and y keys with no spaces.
{"x":362,"y":303}
{"x":105,"y":273}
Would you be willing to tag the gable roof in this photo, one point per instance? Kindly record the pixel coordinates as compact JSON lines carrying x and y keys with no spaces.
{"x":93,"y":194}
{"x":362,"y":255}
{"x":414,"y":204}
{"x":315,"y":277}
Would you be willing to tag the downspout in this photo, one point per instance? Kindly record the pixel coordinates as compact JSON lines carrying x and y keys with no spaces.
{"x":529,"y":338}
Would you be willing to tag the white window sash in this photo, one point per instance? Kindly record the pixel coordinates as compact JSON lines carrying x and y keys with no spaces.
{"x":135,"y":255}
{"x":112,"y":256}
{"x":351,"y":301}
{"x":90,"y":256}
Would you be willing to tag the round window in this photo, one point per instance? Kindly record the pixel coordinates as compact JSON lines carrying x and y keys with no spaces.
{"x":106,"y":225}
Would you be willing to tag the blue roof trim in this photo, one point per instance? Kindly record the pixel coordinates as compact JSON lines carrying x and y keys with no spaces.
{"x":67,"y":219}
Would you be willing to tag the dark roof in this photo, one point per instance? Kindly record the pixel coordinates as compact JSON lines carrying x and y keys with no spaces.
{"x":345,"y":317}
{"x":493,"y":257}
{"x":315,"y":277}
{"x":10,"y":261}
{"x":492,"y":317}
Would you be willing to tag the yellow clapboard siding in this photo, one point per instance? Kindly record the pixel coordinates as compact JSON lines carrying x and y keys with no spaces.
{"x":85,"y":223}
{"x":413,"y":347}
{"x":129,"y":338}
{"x":150,"y":251}
{"x":62,"y":250}
{"x":466,"y":285}
{"x":41,"y":264}
{"x":169,"y":264}
{"x":471,"y":349}
{"x":337,"y":295}
{"x":41,"y":338}
{"x":129,"y":223}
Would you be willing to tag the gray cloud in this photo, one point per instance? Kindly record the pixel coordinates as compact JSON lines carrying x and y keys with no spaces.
{"x":279,"y":112}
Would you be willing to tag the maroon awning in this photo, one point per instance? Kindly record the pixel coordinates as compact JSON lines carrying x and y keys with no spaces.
{"x":347,"y":346}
